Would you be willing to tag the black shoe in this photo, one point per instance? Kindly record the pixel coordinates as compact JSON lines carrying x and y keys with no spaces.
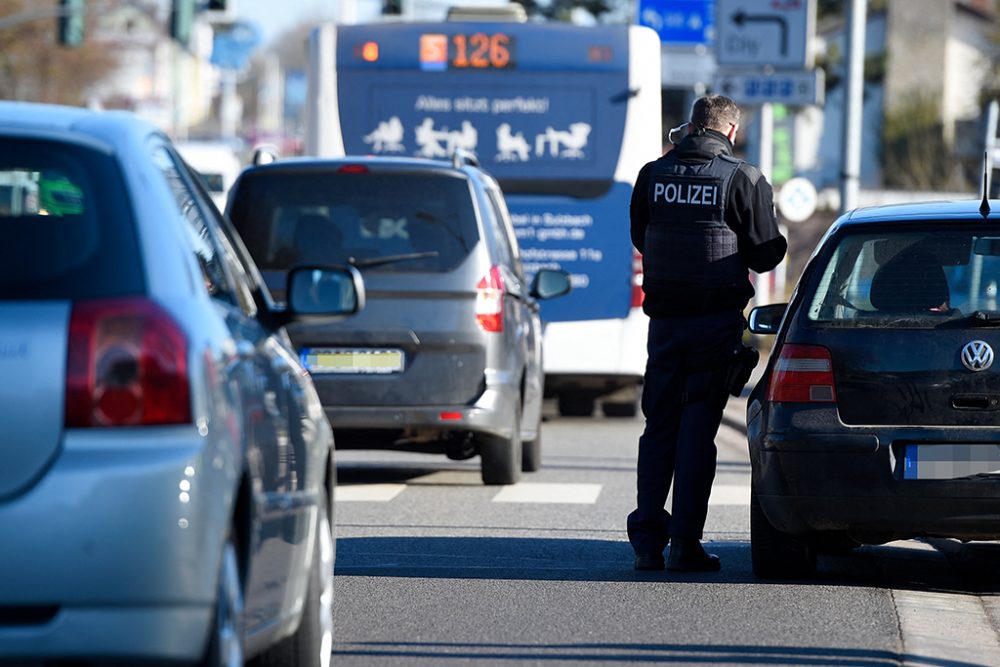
{"x":649,"y":562}
{"x":687,"y":555}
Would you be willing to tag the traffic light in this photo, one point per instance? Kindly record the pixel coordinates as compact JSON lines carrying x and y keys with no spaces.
{"x":181,"y":19}
{"x":71,"y":22}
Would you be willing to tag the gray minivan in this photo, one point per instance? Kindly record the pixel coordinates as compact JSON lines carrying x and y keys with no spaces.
{"x":446,"y":356}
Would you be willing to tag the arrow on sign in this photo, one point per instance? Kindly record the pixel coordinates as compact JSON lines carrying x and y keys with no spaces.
{"x":741,"y":17}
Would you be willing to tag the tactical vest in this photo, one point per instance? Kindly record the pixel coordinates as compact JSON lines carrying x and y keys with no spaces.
{"x":687,"y":238}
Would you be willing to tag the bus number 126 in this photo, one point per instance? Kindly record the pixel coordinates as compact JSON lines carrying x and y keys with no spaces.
{"x":481,"y":51}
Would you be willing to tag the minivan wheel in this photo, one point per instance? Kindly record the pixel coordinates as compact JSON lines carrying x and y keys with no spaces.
{"x":531,"y":452}
{"x":502,"y":457}
{"x":225,"y":644}
{"x":576,"y":405}
{"x":773,"y":553}
{"x":312,"y":643}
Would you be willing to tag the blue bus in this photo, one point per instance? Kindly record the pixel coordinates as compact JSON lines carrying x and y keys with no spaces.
{"x":563,"y":116}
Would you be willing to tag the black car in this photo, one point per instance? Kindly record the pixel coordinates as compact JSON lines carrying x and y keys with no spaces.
{"x":877,"y":416}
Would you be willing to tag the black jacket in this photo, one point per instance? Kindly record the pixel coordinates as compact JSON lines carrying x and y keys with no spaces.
{"x":749,"y":213}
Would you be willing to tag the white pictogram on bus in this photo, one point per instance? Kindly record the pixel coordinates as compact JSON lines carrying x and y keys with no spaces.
{"x":436,"y":143}
{"x":387,"y":137}
{"x":562,"y":143}
{"x":512,"y":147}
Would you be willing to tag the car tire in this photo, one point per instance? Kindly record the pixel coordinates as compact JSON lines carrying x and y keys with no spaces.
{"x":312,"y":643}
{"x":775,"y":554}
{"x":575,"y":405}
{"x":502,"y":457}
{"x":225,"y":643}
{"x":626,"y":409}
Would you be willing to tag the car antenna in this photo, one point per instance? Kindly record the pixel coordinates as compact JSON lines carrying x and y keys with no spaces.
{"x":984,"y":208}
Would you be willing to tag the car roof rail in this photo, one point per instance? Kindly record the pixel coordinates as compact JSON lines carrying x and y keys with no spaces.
{"x":265,"y":154}
{"x":462,"y":157}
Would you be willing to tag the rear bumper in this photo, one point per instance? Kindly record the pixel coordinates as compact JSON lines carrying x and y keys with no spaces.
{"x":849,"y":483}
{"x":115,"y":552}
{"x":492,"y":414}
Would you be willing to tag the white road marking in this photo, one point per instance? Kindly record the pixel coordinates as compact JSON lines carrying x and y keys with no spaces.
{"x":371,"y":493}
{"x":725,"y":494}
{"x":581,"y":494}
{"x":943,"y":628}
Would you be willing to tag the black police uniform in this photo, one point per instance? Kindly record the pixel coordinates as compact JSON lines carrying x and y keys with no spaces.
{"x":701,"y":219}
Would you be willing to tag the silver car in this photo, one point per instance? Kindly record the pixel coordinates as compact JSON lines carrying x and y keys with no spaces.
{"x":447,"y":356}
{"x":167,"y":471}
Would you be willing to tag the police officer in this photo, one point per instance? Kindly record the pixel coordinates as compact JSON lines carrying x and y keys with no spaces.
{"x":701,"y":218}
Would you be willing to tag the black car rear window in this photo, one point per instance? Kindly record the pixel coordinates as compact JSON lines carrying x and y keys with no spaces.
{"x":926,"y":275}
{"x":66,"y":223}
{"x":391,"y":222}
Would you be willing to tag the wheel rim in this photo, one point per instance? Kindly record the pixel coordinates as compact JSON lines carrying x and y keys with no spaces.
{"x":326,"y":594}
{"x":229,"y":611}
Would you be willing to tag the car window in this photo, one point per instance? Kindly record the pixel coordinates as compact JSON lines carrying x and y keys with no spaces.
{"x":67,"y":224}
{"x":507,"y":230}
{"x":909,"y":278}
{"x":330,"y":217}
{"x":498,"y":237}
{"x":205,"y":245}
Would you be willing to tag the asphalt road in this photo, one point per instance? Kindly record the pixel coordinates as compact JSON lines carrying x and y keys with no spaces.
{"x":433,"y":568}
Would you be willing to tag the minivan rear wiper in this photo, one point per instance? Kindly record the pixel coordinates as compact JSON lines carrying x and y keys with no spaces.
{"x":390,"y":259}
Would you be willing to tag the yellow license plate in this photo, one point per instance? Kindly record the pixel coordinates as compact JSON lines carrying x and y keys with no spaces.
{"x":353,"y":361}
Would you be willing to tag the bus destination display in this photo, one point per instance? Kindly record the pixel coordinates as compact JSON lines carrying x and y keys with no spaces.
{"x":460,"y":51}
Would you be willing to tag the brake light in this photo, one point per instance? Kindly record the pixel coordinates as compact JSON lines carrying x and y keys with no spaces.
{"x":489,"y":301}
{"x":353,"y":169}
{"x":802,"y":374}
{"x":369,"y":52}
{"x":637,"y":293}
{"x":126,"y":365}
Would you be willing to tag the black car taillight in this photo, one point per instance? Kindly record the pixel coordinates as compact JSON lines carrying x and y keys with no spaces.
{"x":802,"y":374}
{"x":126,"y":365}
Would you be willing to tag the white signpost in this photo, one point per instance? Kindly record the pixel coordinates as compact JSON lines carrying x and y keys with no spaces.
{"x":774,"y":33}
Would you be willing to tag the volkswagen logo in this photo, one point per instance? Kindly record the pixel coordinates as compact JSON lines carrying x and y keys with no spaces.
{"x":977,"y":355}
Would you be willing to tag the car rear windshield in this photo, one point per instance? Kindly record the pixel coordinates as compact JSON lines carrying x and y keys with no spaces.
{"x":66,"y":223}
{"x":397,"y":221}
{"x":942,"y":274}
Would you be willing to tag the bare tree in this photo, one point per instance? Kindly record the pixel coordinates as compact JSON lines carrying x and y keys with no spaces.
{"x":35,"y":67}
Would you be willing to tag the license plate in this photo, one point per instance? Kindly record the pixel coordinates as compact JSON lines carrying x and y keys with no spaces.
{"x":950,"y":461}
{"x":353,"y":361}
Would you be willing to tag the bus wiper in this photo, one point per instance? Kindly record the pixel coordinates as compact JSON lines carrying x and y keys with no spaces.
{"x":390,"y":259}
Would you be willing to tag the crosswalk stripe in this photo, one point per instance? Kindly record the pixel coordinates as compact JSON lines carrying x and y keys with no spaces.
{"x":376,"y":493}
{"x":581,"y":494}
{"x":728,"y":494}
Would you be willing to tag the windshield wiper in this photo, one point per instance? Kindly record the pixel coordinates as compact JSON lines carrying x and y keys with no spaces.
{"x":978,"y":318}
{"x":390,"y":259}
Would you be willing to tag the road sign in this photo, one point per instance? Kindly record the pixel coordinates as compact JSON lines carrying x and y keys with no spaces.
{"x":793,"y":87}
{"x":776,"y":33}
{"x":689,"y":22}
{"x":797,"y":199}
{"x":234,"y":44}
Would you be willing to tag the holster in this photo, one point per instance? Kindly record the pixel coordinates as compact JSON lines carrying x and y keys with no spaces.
{"x":737,"y":373}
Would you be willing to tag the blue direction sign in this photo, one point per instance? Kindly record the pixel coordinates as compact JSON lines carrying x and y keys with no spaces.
{"x":234,"y":44}
{"x":689,"y":22}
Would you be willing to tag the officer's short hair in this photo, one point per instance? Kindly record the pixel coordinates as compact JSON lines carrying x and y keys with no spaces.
{"x":715,"y":112}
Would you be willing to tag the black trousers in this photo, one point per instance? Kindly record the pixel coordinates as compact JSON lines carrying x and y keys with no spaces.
{"x":682,"y":399}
